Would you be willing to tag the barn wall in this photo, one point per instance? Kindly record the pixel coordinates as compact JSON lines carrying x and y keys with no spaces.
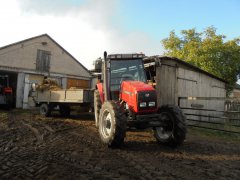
{"x":197,"y":84}
{"x":235,"y":93}
{"x":166,"y":85}
{"x":24,"y":55}
{"x":174,"y":80}
{"x":20,"y":90}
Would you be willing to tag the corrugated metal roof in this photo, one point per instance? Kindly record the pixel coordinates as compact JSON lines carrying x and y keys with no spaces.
{"x":186,"y":64}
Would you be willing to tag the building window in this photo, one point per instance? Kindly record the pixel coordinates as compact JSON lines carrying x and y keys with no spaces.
{"x":43,"y":60}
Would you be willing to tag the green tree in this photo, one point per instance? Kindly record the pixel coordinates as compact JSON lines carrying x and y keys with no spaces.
{"x":208,"y":51}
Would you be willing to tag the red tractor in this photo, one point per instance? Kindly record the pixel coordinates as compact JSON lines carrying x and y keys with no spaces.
{"x":123,"y":101}
{"x":6,"y":92}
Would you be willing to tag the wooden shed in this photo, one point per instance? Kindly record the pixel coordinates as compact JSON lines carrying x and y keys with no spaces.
{"x":180,"y":83}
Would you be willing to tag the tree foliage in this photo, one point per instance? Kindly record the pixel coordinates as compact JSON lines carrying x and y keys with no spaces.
{"x":208,"y":51}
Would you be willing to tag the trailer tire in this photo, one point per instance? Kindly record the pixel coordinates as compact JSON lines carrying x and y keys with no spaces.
{"x":64,"y":110}
{"x":97,"y":106}
{"x":112,"y":124}
{"x":174,"y":133}
{"x":45,"y":109}
{"x":9,"y":101}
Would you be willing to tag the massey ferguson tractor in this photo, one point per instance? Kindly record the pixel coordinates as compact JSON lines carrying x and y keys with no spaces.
{"x":6,"y":92}
{"x":123,"y":101}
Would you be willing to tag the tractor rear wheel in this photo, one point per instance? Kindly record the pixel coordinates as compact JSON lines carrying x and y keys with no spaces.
{"x":97,"y":106}
{"x":174,"y":132}
{"x":112,"y":124}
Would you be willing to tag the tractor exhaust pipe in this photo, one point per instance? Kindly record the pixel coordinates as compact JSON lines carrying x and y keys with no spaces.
{"x":106,"y":89}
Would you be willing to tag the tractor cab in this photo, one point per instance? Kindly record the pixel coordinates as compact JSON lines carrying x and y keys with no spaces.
{"x":124,"y":68}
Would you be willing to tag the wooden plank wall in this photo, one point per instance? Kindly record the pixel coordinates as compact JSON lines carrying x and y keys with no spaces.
{"x":175,"y":80}
{"x":166,"y":85}
{"x":196,"y":84}
{"x":78,"y":83}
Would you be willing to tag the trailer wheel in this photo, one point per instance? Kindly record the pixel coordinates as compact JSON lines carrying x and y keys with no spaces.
{"x":97,"y":106}
{"x":45,"y":110}
{"x":174,"y":132}
{"x":64,"y":110}
{"x":112,"y":124}
{"x":9,"y":101}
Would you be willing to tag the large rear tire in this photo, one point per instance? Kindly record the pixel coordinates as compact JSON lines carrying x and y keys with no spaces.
{"x":97,"y":106}
{"x":112,"y":124}
{"x":174,"y":132}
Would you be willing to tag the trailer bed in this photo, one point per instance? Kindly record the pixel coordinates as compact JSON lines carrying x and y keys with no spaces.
{"x":65,"y":96}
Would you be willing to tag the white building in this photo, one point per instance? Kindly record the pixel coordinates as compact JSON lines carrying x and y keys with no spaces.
{"x":28,"y":61}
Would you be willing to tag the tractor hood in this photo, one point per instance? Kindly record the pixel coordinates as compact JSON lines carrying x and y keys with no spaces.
{"x":136,"y":86}
{"x":135,"y":92}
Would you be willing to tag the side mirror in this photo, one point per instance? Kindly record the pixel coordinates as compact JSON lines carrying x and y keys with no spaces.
{"x":98,"y":65}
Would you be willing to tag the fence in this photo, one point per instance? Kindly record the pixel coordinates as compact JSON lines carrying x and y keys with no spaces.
{"x":214,"y":113}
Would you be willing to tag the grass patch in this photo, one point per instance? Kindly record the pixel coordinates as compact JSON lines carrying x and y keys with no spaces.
{"x":208,"y":133}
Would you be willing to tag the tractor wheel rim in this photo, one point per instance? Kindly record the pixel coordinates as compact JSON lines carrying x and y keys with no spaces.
{"x":167,"y":132}
{"x":107,"y":124}
{"x":95,"y":113}
{"x":43,"y":110}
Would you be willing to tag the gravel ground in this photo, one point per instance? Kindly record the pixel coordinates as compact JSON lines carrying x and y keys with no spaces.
{"x":33,"y":147}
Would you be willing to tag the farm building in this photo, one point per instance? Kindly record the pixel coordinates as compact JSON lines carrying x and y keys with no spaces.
{"x":236,"y":91}
{"x":28,"y":61}
{"x":179,"y":83}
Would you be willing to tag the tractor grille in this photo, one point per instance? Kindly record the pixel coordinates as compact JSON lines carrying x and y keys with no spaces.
{"x":147,"y":96}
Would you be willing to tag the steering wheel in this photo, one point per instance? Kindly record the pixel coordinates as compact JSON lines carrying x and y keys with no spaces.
{"x":126,"y":77}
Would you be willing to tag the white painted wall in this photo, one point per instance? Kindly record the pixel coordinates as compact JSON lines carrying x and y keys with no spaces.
{"x":20,"y":90}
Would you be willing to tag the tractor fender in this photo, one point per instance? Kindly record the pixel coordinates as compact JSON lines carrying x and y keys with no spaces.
{"x":99,"y":87}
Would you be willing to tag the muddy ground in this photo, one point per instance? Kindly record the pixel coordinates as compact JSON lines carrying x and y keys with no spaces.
{"x":33,"y":147}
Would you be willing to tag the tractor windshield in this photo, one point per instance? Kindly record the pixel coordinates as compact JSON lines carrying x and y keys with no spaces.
{"x":125,"y":70}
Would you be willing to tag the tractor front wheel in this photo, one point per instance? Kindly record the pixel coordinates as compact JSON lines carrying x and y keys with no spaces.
{"x":112,"y":124}
{"x":173,"y":133}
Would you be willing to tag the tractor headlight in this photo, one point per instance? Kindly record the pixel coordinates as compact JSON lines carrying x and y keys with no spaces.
{"x":143,"y":104}
{"x":151,"y":104}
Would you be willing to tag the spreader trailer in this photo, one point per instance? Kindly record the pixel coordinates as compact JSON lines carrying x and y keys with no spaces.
{"x":63,"y":100}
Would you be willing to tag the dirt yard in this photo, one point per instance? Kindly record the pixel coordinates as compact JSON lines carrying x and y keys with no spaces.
{"x":32,"y":147}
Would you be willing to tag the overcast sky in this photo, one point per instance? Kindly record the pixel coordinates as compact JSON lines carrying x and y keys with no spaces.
{"x":86,"y":28}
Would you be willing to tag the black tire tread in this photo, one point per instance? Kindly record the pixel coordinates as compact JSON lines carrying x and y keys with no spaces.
{"x":49,"y":109}
{"x":179,"y":132}
{"x":117,"y":138}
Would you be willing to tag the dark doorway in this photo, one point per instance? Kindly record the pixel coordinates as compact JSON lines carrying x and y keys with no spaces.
{"x":12,"y":82}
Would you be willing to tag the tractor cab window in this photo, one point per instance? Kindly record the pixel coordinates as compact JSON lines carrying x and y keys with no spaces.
{"x":125,"y":70}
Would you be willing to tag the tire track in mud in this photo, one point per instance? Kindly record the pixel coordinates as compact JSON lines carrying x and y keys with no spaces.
{"x":128,"y":162}
{"x":71,"y":149}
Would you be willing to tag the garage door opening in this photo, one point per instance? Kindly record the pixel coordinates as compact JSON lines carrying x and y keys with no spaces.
{"x":8,"y":79}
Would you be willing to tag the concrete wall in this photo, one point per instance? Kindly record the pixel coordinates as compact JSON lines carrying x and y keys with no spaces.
{"x":20,"y":90}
